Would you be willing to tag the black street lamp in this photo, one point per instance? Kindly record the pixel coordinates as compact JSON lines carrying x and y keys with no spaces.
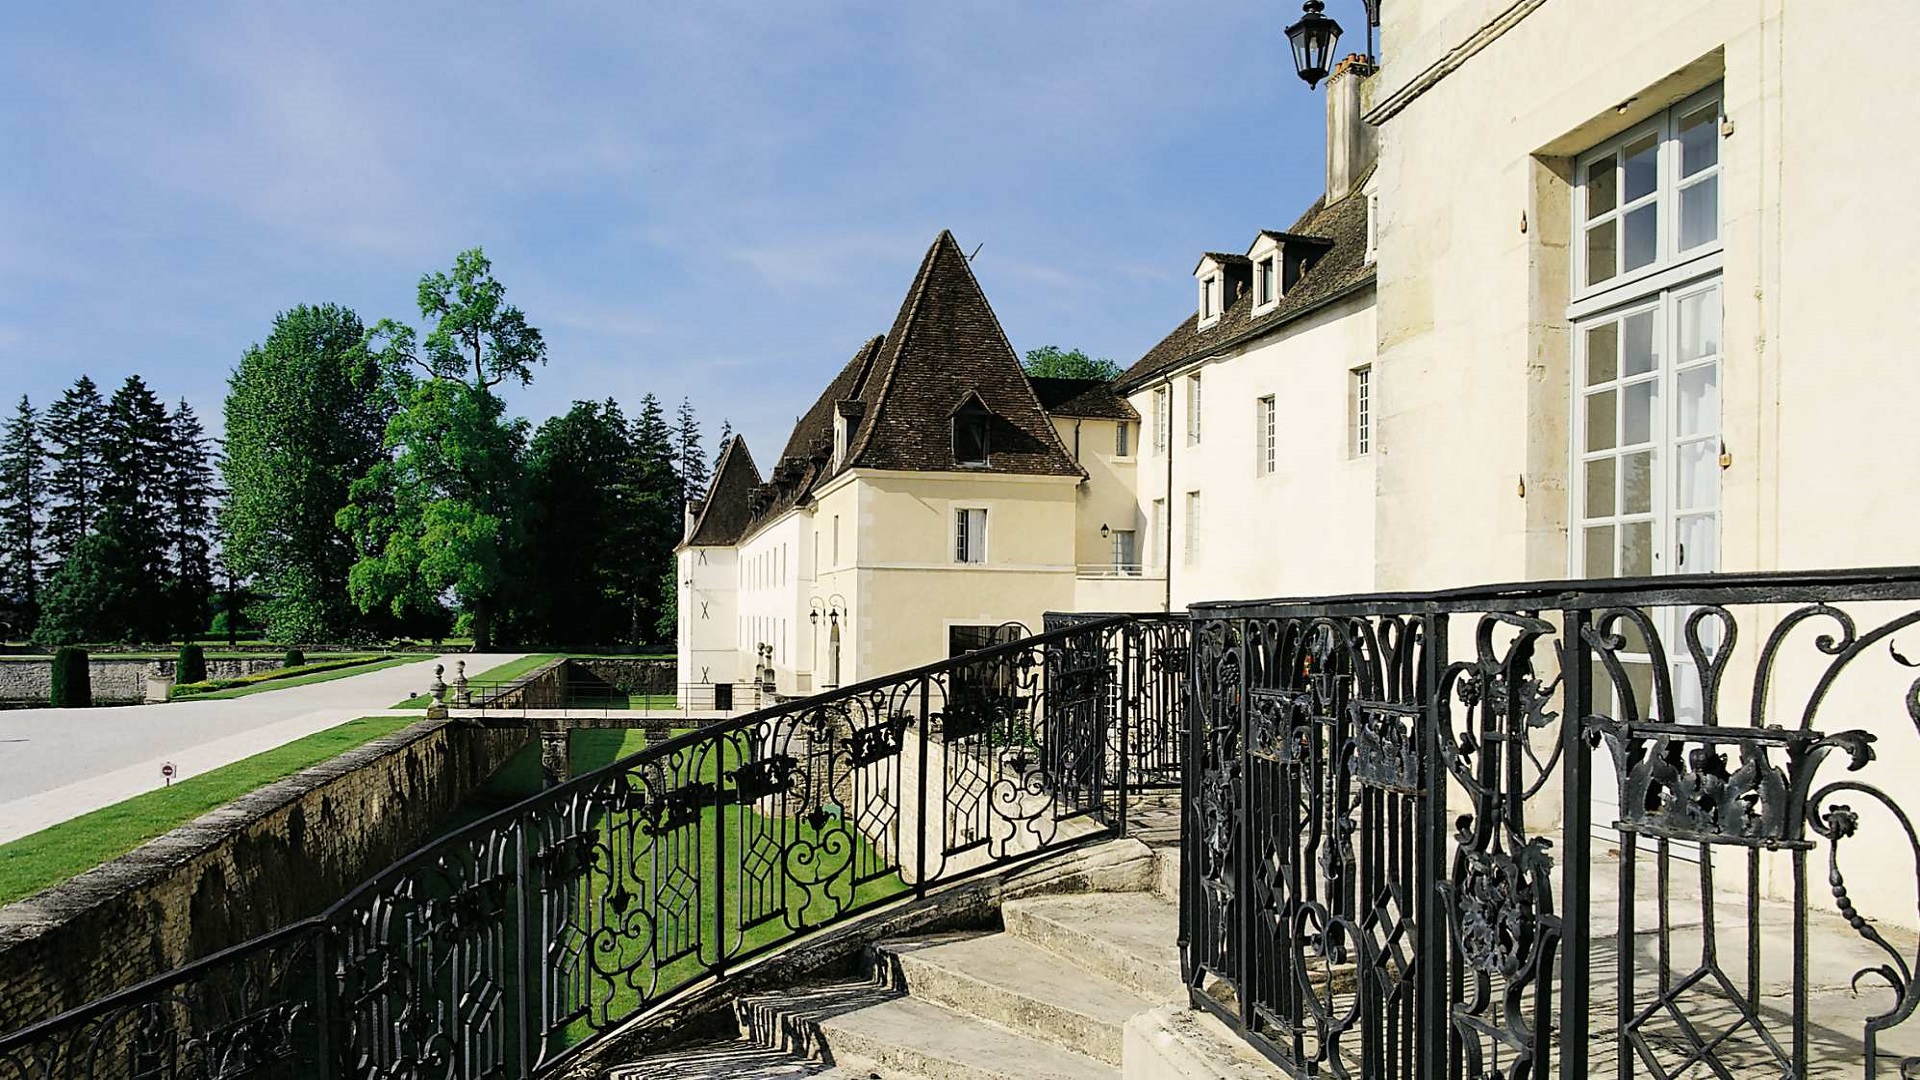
{"x":1313,"y":38}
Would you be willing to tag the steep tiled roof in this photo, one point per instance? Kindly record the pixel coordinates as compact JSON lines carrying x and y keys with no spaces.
{"x":900,"y":392}
{"x":1091,"y":399}
{"x":1341,"y":270}
{"x":724,"y":517}
{"x":945,"y":343}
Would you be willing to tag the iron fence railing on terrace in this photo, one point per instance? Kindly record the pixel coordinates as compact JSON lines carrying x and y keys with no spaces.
{"x":1572,"y":829}
{"x":526,"y":695}
{"x":505,"y":947}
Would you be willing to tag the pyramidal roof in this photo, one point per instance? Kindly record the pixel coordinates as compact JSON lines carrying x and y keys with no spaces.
{"x":724,"y":517}
{"x":945,"y":344}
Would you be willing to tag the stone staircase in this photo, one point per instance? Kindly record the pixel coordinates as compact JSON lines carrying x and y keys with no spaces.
{"x":1046,"y":997}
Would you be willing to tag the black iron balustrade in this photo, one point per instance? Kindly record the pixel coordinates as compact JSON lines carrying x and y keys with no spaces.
{"x":1562,"y":829}
{"x":503,"y":948}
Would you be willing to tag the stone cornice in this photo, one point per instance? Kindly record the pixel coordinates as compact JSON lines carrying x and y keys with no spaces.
{"x":1392,"y":104}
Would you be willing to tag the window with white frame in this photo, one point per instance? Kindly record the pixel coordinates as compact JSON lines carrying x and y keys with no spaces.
{"x":1266,"y":435}
{"x":1209,"y":298}
{"x":1123,"y":439}
{"x":1362,"y":424}
{"x":1649,"y":199}
{"x":1126,"y":552}
{"x":1157,"y":532}
{"x":1193,"y":528}
{"x":1266,"y":281}
{"x":1160,"y":410}
{"x":970,"y":535}
{"x":1193,"y":409}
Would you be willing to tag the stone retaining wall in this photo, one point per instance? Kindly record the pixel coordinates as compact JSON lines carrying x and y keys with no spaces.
{"x":115,"y":681}
{"x":629,"y":675}
{"x":277,"y":855}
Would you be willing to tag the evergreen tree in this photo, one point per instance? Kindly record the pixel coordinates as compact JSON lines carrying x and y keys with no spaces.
{"x":73,"y":435}
{"x":136,"y":449}
{"x":305,"y":414}
{"x":726,"y":436}
{"x":577,"y":524}
{"x":23,"y":479}
{"x":654,"y":495}
{"x":189,"y":521}
{"x":99,"y":592}
{"x":689,"y":458}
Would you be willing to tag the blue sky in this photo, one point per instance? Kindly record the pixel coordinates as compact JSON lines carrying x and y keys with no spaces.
{"x":715,"y":200}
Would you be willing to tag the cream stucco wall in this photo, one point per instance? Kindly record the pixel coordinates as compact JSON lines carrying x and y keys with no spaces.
{"x":1305,"y":528}
{"x":707,"y":604}
{"x":1816,"y":388}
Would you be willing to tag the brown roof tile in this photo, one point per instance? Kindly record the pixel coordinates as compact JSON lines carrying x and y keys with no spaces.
{"x":724,"y":517}
{"x":1091,"y":399}
{"x":1341,"y":228}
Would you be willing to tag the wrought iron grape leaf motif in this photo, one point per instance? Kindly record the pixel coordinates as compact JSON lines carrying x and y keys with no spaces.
{"x":876,"y":741}
{"x":1385,"y":752}
{"x":1679,"y":782}
{"x":678,"y":808}
{"x":772,"y":775}
{"x":1499,"y":900}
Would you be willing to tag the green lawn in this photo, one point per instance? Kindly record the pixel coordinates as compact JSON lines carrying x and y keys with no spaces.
{"x":52,"y":855}
{"x":506,"y":672}
{"x":281,"y":683}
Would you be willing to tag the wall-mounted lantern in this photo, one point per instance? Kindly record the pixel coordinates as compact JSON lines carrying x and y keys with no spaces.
{"x":1316,"y":35}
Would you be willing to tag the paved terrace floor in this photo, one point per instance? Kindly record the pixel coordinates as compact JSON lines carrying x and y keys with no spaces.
{"x":57,"y":764}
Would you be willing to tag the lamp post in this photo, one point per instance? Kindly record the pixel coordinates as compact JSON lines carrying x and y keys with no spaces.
{"x":1316,"y":35}
{"x":831,"y":607}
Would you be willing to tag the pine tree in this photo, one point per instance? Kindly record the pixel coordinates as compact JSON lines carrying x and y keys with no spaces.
{"x":189,"y":521}
{"x":73,"y":435}
{"x":654,"y":494}
{"x":726,"y":436}
{"x":23,"y":479}
{"x":135,"y":450}
{"x":689,"y":458}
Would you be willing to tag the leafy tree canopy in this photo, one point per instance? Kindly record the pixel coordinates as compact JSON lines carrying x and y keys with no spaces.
{"x":1049,"y":362}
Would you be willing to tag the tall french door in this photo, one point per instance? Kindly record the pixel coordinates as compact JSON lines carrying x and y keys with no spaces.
{"x":1646,"y":485}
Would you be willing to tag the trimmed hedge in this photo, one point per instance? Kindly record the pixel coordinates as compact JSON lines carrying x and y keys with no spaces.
{"x":192,"y":665}
{"x":294,"y":658}
{"x":72,"y":681}
{"x":184,"y":690}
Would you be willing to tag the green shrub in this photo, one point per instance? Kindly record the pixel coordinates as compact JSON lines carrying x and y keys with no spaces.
{"x":72,"y":683}
{"x":294,"y":658}
{"x":192,"y":665}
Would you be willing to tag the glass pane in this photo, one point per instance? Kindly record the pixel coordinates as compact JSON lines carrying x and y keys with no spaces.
{"x":1636,"y":412}
{"x":1696,"y":471}
{"x":1600,"y":420}
{"x":1699,"y":139}
{"x":1643,"y":232}
{"x":1699,"y":406}
{"x":1636,"y":549}
{"x":1699,"y":325}
{"x":1599,"y":489}
{"x":1700,"y":214}
{"x":1598,"y":541}
{"x":1698,"y":537}
{"x":1643,"y":160}
{"x":1603,"y":353}
{"x":1642,"y":344}
{"x":1636,"y":487}
{"x":1602,"y":254}
{"x":1603,"y":185}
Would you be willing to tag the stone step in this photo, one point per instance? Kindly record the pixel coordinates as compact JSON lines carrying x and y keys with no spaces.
{"x":1130,"y":938}
{"x":910,"y":1037}
{"x":736,"y":1061}
{"x":1014,"y":983}
{"x":1166,"y":873}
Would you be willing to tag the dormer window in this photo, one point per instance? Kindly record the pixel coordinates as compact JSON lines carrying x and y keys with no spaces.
{"x":972,"y":427}
{"x":1210,"y":298}
{"x":1266,"y":281}
{"x":839,"y":440}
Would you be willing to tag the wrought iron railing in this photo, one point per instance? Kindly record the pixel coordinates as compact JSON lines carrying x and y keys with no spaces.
{"x":501,"y":949}
{"x":1565,"y":829}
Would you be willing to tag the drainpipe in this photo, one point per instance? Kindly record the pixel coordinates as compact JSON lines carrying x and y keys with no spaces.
{"x":1166,"y":545}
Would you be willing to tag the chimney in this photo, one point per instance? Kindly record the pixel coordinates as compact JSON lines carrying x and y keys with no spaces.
{"x":694,"y":506}
{"x":1352,"y":143}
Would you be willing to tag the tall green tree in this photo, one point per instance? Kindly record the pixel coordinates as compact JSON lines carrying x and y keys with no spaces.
{"x":23,"y":494}
{"x":188,"y":522}
{"x":306,"y":413}
{"x":439,"y":516}
{"x":577,"y":529}
{"x":1051,"y":362}
{"x":655,"y":495}
{"x":136,"y":451}
{"x":73,"y":435}
{"x":100,"y":592}
{"x":689,"y":457}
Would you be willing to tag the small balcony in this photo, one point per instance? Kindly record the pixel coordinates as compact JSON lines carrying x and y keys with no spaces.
{"x":1119,"y":586}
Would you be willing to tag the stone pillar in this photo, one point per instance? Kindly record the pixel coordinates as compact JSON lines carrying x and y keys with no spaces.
{"x":556,"y":767}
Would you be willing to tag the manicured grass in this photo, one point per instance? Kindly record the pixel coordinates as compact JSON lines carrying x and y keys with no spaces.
{"x":55,"y":854}
{"x":281,"y":683}
{"x":506,"y":672}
